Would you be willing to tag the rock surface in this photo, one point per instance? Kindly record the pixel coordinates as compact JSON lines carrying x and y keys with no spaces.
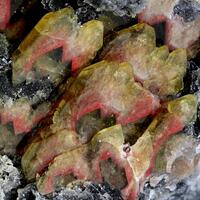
{"x":176,"y":175}
{"x":10,"y":178}
{"x":83,"y":191}
{"x":119,"y":7}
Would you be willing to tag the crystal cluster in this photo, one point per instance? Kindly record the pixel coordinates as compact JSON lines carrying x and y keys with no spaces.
{"x":42,"y":62}
{"x":88,"y":161}
{"x":56,"y":30}
{"x":88,"y":125}
{"x":115,"y":93}
{"x":102,"y":122}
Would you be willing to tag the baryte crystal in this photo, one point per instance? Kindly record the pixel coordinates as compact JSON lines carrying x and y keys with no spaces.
{"x":108,"y":87}
{"x":108,"y":145}
{"x":21,"y":108}
{"x":179,"y":33}
{"x":40,"y":153}
{"x":158,"y":70}
{"x":176,"y":114}
{"x":56,"y":30}
{"x":22,"y":115}
{"x":84,"y":161}
{"x":40,"y":65}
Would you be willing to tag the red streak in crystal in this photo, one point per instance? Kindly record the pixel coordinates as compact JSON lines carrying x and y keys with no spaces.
{"x":49,"y":183}
{"x":173,"y":126}
{"x":128,"y":192}
{"x":4,"y":13}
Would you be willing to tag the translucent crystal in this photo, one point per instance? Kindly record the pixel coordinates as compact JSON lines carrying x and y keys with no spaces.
{"x":108,"y":87}
{"x":158,"y":70}
{"x":108,"y":144}
{"x":176,"y":169}
{"x":22,"y":115}
{"x":83,"y":162}
{"x":178,"y":113}
{"x":56,"y":30}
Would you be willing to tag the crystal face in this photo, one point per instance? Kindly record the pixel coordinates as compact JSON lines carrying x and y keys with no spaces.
{"x":56,"y":47}
{"x":108,"y":143}
{"x":158,"y":70}
{"x":56,"y":30}
{"x":107,"y":86}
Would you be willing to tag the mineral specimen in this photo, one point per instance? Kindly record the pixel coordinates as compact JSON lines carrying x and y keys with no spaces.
{"x":115,"y":93}
{"x":127,"y":169}
{"x":178,"y":113}
{"x":158,"y":70}
{"x":29,"y":96}
{"x":87,"y":162}
{"x":40,"y":65}
{"x":114,"y":116}
{"x":56,"y":30}
{"x":182,"y":22}
{"x":91,"y":133}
